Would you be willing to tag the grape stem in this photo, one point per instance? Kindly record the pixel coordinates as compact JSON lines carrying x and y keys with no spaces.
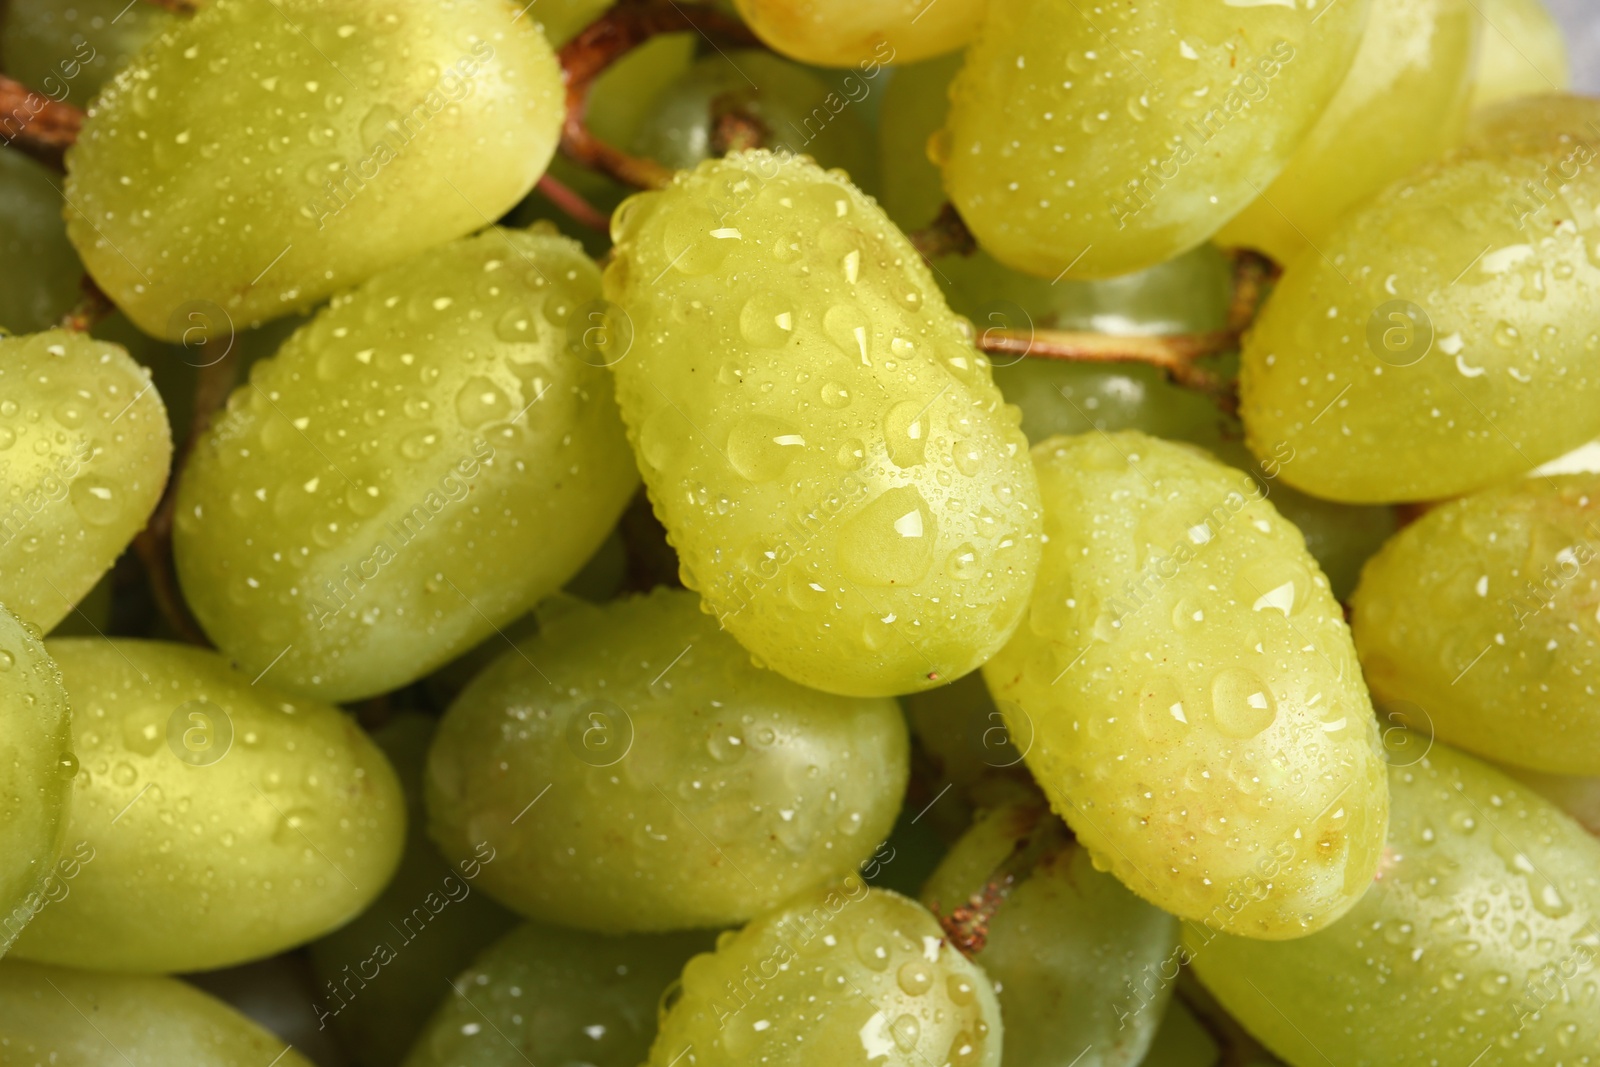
{"x":1041,"y":838}
{"x":572,"y":202}
{"x":91,"y":307}
{"x":613,"y":35}
{"x":36,"y":125}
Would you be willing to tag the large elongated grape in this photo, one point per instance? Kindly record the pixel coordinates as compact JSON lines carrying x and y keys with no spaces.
{"x":227,"y":820}
{"x":1476,"y":941}
{"x":1523,"y":52}
{"x":1187,"y":693}
{"x":84,"y":451}
{"x":39,"y":271}
{"x":1445,"y":339}
{"x":68,"y":49}
{"x":416,"y":467}
{"x":373,"y":134}
{"x":1065,"y":946}
{"x":1480,"y":619}
{"x":1094,"y":142}
{"x":36,"y":768}
{"x":864,"y":33}
{"x":847,"y":976}
{"x":685,"y":786}
{"x":59,"y":1016}
{"x":556,"y":996}
{"x":1403,"y":102}
{"x":844,"y":485}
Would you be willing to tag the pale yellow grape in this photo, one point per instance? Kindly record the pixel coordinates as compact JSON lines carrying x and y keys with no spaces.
{"x":863,"y":33}
{"x":1478,"y":938}
{"x":39,"y":271}
{"x":1092,"y":142}
{"x":36,"y":769}
{"x":84,"y":452}
{"x":373,"y":134}
{"x":845,"y":976}
{"x":633,"y":772}
{"x":1523,"y":52}
{"x":843,"y":483}
{"x":1477,"y":623}
{"x":1445,"y":339}
{"x":417,"y":466}
{"x":1403,"y":102}
{"x":68,"y":49}
{"x":280,"y":822}
{"x":1187,"y":693}
{"x":69,"y":1018}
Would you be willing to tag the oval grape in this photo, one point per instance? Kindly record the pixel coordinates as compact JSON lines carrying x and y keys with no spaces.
{"x":844,"y":33}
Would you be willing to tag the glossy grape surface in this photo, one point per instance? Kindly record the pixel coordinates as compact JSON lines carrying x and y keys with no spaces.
{"x":634,"y":772}
{"x":846,"y":33}
{"x":1187,"y":693}
{"x":843,"y":483}
{"x":226,"y":820}
{"x":414,"y":469}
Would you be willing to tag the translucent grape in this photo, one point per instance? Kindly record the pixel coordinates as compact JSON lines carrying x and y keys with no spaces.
{"x":1445,"y":339}
{"x":685,"y":786}
{"x":847,"y":976}
{"x":1187,"y":694}
{"x":558,"y":997}
{"x":1523,"y":52}
{"x":844,"y":485}
{"x":1477,"y":939}
{"x":39,"y":271}
{"x":1403,"y":103}
{"x":417,"y":466}
{"x":1477,"y":623}
{"x":1077,"y":960}
{"x":374,"y":134}
{"x":68,"y":49}
{"x":84,"y":451}
{"x":35,"y":778}
{"x":54,"y":1015}
{"x":845,"y":33}
{"x":1088,"y":145}
{"x":224,"y":820}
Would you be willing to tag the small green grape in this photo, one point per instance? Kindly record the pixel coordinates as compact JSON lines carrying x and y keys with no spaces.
{"x":1481,"y":925}
{"x":374,"y":134}
{"x":1477,"y":623}
{"x":844,"y":485}
{"x":1087,"y":144}
{"x":226,"y":821}
{"x":35,"y":777}
{"x":1578,"y":797}
{"x":1076,"y":959}
{"x":1181,"y":1041}
{"x":1523,"y":52}
{"x":68,"y":49}
{"x":847,"y":976}
{"x":562,"y":20}
{"x":556,"y":996}
{"x":39,"y":271}
{"x":1187,"y":694}
{"x":862,"y":33}
{"x":84,"y":452}
{"x":1403,"y":103}
{"x":634,"y":772}
{"x":69,"y":1018}
{"x":1445,"y":339}
{"x":416,"y":467}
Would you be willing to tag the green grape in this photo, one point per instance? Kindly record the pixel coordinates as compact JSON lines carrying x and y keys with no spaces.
{"x":68,"y":1018}
{"x":1578,"y":797}
{"x":379,"y":978}
{"x":794,"y":110}
{"x":1477,"y":623}
{"x":91,"y":615}
{"x":914,"y":106}
{"x":1181,"y":1041}
{"x":553,"y":996}
{"x":1477,"y":940}
{"x":454,"y":116}
{"x":1091,"y":144}
{"x":1187,"y":694}
{"x":1065,"y":948}
{"x":84,"y":451}
{"x":862,"y":33}
{"x":324,"y":525}
{"x":39,"y":271}
{"x":845,"y":976}
{"x":961,"y":731}
{"x":68,"y":49}
{"x":225,"y":820}
{"x":1523,"y":52}
{"x":562,"y":20}
{"x":843,"y":484}
{"x":35,"y":776}
{"x":1445,"y":340}
{"x":1402,"y":104}
{"x":685,"y":787}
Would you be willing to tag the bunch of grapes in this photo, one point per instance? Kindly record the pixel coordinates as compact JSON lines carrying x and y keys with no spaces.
{"x":792,"y":533}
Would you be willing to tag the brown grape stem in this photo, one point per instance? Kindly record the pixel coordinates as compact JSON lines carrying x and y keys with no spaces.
{"x":36,"y":125}
{"x":1042,"y":838}
{"x":946,"y":235}
{"x":573,"y":204}
{"x":91,"y":308}
{"x":610,"y":37}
